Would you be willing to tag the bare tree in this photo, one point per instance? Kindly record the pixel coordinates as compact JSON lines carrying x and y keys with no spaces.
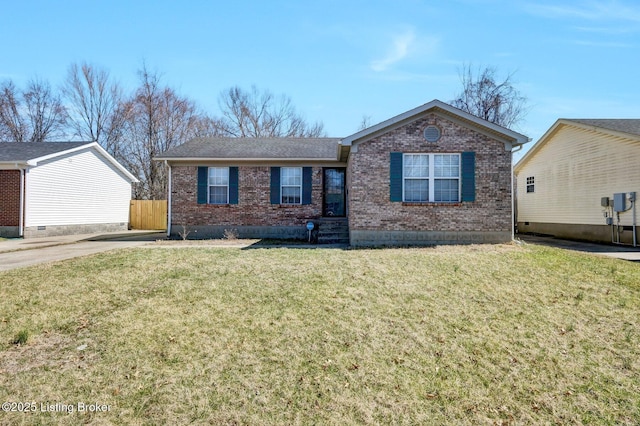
{"x":156,"y":118}
{"x":12,"y":123}
{"x":94,"y":104}
{"x":258,"y":113}
{"x":33,"y":115}
{"x":484,"y":96}
{"x":47,"y":116}
{"x":206,"y":126}
{"x":364,"y":122}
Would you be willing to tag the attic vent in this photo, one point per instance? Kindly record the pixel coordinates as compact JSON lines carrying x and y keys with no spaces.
{"x":432,"y":134}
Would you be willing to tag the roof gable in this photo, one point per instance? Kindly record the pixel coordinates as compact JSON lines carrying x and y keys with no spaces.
{"x":509,"y":137}
{"x":628,"y":128}
{"x":22,"y":155}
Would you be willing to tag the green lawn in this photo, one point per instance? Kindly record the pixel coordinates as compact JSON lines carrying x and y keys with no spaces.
{"x":496,"y":334}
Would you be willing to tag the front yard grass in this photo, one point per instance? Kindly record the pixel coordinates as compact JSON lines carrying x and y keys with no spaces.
{"x":495,"y":334}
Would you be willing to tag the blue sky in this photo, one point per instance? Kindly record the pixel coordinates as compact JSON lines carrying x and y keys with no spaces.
{"x":342,"y":60}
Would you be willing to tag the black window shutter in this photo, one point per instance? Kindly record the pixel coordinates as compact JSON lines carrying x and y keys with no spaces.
{"x":203,"y":184}
{"x":275,"y":185}
{"x":468,"y":160}
{"x":233,"y":185}
{"x":307,"y":180}
{"x":395,"y":171}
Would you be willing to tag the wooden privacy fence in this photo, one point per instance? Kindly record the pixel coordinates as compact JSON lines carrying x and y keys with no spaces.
{"x":148,"y":214}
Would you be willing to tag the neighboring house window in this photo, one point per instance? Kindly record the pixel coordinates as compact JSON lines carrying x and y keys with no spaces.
{"x":431,"y":178}
{"x":291,"y":185}
{"x":531,"y":184}
{"x":218,"y":185}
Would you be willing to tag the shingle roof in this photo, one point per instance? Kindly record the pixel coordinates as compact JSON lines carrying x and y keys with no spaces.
{"x":255,"y":148}
{"x":625,"y":125}
{"x":23,"y":152}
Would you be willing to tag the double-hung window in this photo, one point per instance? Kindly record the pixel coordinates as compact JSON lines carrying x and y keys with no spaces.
{"x":416,"y":178}
{"x":429,"y":178}
{"x":218,"y":185}
{"x":291,"y":185}
{"x":531,"y":184}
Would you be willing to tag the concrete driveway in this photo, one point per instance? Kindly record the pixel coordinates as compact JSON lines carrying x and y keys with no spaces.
{"x":617,"y":251}
{"x":18,"y":253}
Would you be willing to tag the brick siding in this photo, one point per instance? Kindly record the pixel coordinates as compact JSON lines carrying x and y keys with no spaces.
{"x":370,"y":207}
{"x":9,"y":197}
{"x":254,"y":207}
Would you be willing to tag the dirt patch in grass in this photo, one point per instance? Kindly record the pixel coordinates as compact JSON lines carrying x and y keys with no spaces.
{"x":47,"y":351}
{"x":490,"y":334}
{"x":235,"y":243}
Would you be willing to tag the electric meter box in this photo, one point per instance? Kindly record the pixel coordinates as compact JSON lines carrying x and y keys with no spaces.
{"x":604,"y":201}
{"x":620,"y":202}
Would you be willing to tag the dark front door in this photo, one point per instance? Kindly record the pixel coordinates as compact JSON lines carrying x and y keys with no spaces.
{"x":334,"y":203}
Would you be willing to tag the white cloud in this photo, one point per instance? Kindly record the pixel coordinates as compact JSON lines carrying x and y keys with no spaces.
{"x":402,"y":45}
{"x":607,"y":30}
{"x":405,"y":46}
{"x":590,"y":10}
{"x":602,"y":44}
{"x":616,"y":20}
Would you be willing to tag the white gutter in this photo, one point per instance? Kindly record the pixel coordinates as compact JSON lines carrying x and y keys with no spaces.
{"x":513,"y":197}
{"x":21,"y":219}
{"x":168,"y":200}
{"x":249,"y":159}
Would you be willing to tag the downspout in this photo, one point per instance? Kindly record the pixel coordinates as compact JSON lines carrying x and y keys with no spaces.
{"x":634,"y":220}
{"x":22,"y":199}
{"x":168,"y":200}
{"x":513,"y":197}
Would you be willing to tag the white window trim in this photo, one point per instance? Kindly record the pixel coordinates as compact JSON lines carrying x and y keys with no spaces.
{"x":209,"y":186}
{"x":291,"y":186}
{"x":432,"y":178}
{"x":531,"y":185}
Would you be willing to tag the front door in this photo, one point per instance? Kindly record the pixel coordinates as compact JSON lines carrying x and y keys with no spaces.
{"x":334,"y":200}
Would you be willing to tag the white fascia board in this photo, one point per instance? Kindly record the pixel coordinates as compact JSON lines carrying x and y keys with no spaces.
{"x":113,"y":161}
{"x":536,"y":146}
{"x":518,"y":138}
{"x":244,"y":159}
{"x":34,"y":161}
{"x":13,"y":165}
{"x":568,"y":122}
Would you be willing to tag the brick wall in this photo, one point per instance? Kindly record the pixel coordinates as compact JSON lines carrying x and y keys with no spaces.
{"x":9,"y":197}
{"x":254,"y":207}
{"x":371,"y":209}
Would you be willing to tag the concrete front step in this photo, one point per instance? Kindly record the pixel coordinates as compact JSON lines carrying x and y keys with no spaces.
{"x":333,"y":231}
{"x":333,"y":236}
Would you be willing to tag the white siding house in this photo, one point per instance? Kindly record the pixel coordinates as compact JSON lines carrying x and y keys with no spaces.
{"x":68,"y":188}
{"x":561,"y":181}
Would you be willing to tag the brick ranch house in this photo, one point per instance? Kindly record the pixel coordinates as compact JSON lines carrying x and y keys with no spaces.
{"x":432,"y":175}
